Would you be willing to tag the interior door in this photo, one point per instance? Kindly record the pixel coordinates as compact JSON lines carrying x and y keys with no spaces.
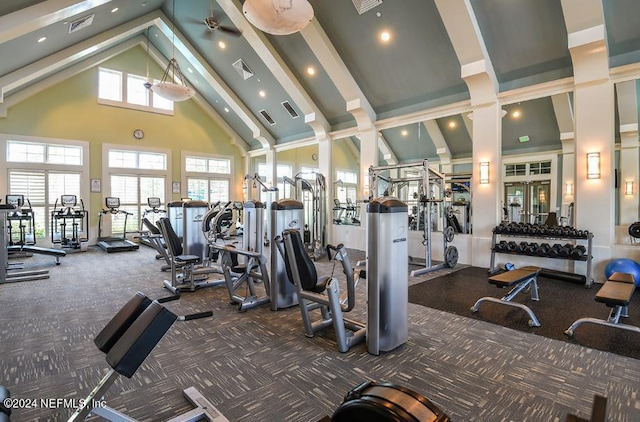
{"x":527,"y":202}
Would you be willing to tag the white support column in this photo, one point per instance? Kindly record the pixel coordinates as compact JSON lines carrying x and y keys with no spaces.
{"x":594,"y":123}
{"x":272,"y":174}
{"x":368,"y":158}
{"x":477,"y":72}
{"x":568,"y":172}
{"x":325,"y":167}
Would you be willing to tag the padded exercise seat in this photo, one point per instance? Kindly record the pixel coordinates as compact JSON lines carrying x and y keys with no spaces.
{"x":309,"y":279}
{"x":616,"y":293}
{"x":519,"y":280}
{"x":150,"y":226}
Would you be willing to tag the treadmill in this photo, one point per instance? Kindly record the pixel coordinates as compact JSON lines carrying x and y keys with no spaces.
{"x":114,"y":243}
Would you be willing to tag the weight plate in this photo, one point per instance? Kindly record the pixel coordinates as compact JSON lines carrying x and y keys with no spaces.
{"x":449,"y":234}
{"x":634,"y":230}
{"x":451,"y":257}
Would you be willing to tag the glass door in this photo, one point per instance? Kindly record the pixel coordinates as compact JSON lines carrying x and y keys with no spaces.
{"x":527,"y":202}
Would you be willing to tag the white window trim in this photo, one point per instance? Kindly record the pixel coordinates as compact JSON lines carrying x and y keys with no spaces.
{"x":124,"y":103}
{"x":108,"y":171}
{"x":526,"y":159}
{"x":199,"y":174}
{"x":83,"y":169}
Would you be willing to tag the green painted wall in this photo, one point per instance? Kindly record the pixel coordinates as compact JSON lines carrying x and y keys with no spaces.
{"x":70,"y":110}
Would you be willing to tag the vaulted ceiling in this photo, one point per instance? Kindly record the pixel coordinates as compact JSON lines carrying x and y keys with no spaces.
{"x":410,"y":87}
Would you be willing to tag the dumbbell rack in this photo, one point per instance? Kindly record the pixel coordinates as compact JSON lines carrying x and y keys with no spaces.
{"x":586,"y":258}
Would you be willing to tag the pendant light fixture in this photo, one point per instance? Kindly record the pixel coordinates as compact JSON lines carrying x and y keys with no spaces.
{"x":278,"y":17}
{"x":173,"y":85}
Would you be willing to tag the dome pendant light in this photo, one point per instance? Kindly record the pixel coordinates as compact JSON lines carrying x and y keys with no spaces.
{"x":178,"y":89}
{"x":278,"y":17}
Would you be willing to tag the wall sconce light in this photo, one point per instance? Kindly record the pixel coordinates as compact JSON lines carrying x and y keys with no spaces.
{"x":628,"y":187}
{"x":593,"y":165}
{"x":484,"y":173}
{"x":569,"y":188}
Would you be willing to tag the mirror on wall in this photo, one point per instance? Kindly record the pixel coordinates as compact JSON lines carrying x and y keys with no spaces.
{"x":347,"y":203}
{"x":532,"y":168}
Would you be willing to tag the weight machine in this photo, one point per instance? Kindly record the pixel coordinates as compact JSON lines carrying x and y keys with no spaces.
{"x":312,"y":192}
{"x":70,"y":224}
{"x":272,"y":196}
{"x":430,"y":197}
{"x":148,"y":227}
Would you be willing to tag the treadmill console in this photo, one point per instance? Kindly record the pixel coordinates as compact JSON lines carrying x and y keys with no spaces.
{"x":15,"y":200}
{"x":112,"y":202}
{"x":153,"y":202}
{"x":68,"y":201}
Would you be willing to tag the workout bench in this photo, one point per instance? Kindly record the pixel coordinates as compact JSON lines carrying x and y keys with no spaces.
{"x":616,"y":293}
{"x":519,"y":280}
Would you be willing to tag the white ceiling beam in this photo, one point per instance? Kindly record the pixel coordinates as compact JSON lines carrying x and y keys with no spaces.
{"x":626,"y":95}
{"x":261,"y":45}
{"x":41,"y":15}
{"x":63,"y":58}
{"x":387,"y":153}
{"x":563,"y":110}
{"x":442,"y":149}
{"x":356,"y":102}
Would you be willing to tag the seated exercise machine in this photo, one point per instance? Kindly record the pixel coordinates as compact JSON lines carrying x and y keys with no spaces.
{"x":70,"y":224}
{"x":185,"y":281}
{"x":518,"y":280}
{"x":127,"y":340}
{"x":616,"y":293}
{"x":114,"y":243}
{"x":321,"y":292}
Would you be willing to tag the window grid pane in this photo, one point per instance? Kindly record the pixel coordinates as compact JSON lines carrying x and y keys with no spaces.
{"x":219,"y":190}
{"x":136,"y":92}
{"x":151,"y":161}
{"x":197,"y":189}
{"x":110,"y":85}
{"x":195,"y":164}
{"x":219,"y":166}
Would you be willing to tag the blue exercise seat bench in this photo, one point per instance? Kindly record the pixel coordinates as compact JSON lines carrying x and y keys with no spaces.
{"x":616,"y":293}
{"x":518,"y":280}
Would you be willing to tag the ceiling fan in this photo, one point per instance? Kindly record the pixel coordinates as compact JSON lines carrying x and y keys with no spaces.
{"x":213,"y":24}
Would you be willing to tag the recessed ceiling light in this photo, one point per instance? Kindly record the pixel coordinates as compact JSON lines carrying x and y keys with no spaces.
{"x":516,"y":114}
{"x":226,"y":109}
{"x":262,"y":93}
{"x":222,"y":45}
{"x":452,"y":124}
{"x":42,"y":39}
{"x":311,"y":70}
{"x":385,"y":36}
{"x":404,"y":132}
{"x":114,"y":10}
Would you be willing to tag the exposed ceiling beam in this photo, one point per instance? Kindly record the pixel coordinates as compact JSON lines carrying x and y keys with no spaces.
{"x":42,"y":14}
{"x":440,"y":143}
{"x":563,"y":110}
{"x":387,"y":153}
{"x":627,"y":103}
{"x":261,"y":45}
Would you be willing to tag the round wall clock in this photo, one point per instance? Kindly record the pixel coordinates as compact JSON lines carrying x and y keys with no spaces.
{"x":138,"y":134}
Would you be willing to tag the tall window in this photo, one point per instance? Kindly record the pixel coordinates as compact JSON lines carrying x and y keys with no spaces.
{"x":208,"y":178}
{"x":127,"y":90}
{"x":135,"y":176}
{"x":282,"y":170}
{"x":42,"y":172}
{"x":346,"y":186}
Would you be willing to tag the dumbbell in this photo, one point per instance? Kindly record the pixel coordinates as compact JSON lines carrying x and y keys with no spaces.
{"x":511,"y":247}
{"x":554,"y":252}
{"x":531,"y":249}
{"x":565,"y":251}
{"x":500,"y":247}
{"x":521,"y":247}
{"x":543,"y":250}
{"x":578,"y":252}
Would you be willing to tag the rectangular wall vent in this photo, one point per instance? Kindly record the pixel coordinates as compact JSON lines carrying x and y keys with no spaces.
{"x":364,"y":5}
{"x":267,"y":117}
{"x":241,"y":67}
{"x":80,"y":23}
{"x":287,"y":106}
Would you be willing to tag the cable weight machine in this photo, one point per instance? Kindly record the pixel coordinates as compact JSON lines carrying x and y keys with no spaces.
{"x":430,"y":197}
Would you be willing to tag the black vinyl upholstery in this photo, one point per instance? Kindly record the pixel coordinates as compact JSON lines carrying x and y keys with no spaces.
{"x":173,"y":243}
{"x":121,"y":322}
{"x":306,"y":269}
{"x":138,"y":341}
{"x":150,"y":226}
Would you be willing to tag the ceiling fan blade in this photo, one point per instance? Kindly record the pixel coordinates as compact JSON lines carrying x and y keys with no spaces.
{"x":194,"y":21}
{"x":230,"y":30}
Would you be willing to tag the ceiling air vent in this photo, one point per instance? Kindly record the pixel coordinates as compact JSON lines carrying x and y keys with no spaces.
{"x":364,"y":5}
{"x":267,"y":117}
{"x":80,"y":23}
{"x":287,"y":106}
{"x":241,"y":67}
